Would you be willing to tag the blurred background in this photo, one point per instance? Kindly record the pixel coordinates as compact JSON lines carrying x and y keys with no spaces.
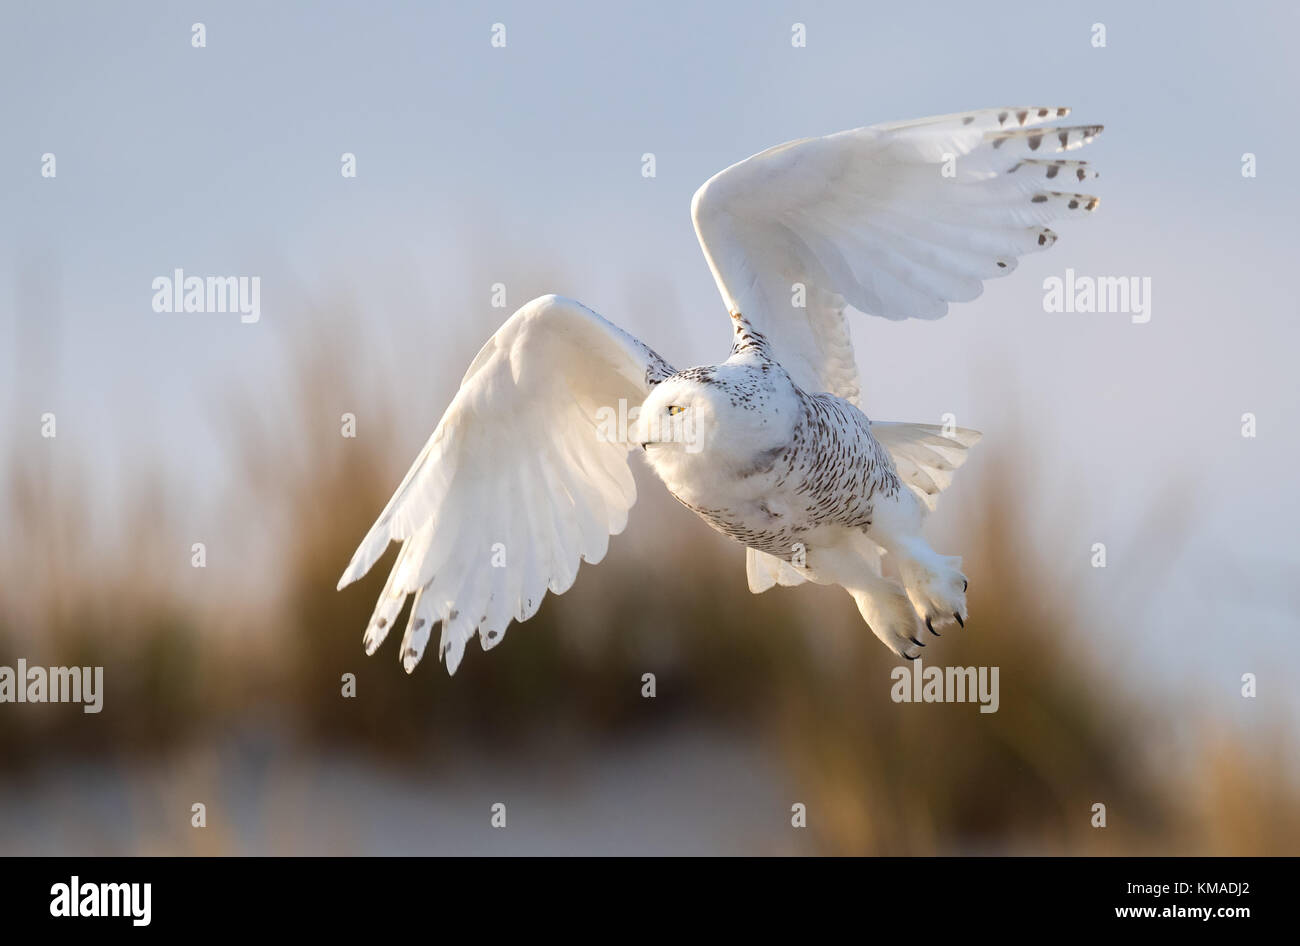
{"x":522,"y":166}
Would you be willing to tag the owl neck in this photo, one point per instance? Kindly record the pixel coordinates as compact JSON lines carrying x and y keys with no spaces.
{"x":747,"y":340}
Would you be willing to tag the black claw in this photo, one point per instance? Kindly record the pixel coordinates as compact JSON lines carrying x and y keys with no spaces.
{"x":910,"y":657}
{"x":931,"y":627}
{"x":964,"y":584}
{"x":916,"y":642}
{"x":959,"y":620}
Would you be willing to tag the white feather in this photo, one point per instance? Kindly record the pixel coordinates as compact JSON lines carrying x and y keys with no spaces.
{"x":516,"y":487}
{"x":896,"y":220}
{"x":516,"y":466}
{"x":924,"y":455}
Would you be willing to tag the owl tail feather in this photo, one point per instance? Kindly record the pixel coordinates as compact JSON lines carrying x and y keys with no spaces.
{"x":926,"y":455}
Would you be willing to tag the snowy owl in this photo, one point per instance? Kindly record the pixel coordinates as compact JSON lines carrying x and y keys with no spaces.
{"x":528,"y":472}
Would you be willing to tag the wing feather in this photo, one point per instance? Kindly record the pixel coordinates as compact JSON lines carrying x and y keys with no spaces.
{"x":925,"y":455}
{"x":516,"y":486}
{"x":896,"y":220}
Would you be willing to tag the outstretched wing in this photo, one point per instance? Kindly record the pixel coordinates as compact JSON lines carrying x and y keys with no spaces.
{"x":524,"y":478}
{"x":896,"y":220}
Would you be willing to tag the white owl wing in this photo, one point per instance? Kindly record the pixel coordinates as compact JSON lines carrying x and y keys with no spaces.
{"x":524,"y":478}
{"x":925,"y":455}
{"x":895,"y":220}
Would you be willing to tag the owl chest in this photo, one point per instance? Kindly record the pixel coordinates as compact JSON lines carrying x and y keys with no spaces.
{"x":769,"y":523}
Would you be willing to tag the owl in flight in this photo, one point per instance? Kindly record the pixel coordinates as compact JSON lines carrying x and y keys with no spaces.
{"x":524,"y":477}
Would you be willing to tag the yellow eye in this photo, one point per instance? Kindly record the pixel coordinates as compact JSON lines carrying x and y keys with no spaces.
{"x":674,"y":410}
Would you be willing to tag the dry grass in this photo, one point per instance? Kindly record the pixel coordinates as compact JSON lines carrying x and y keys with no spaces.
{"x":881,"y":778}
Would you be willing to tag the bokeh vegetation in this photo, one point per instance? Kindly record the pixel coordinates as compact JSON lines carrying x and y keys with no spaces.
{"x":189,"y":659}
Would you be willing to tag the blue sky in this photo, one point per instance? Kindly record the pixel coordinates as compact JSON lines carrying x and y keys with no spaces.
{"x":478,"y":165}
